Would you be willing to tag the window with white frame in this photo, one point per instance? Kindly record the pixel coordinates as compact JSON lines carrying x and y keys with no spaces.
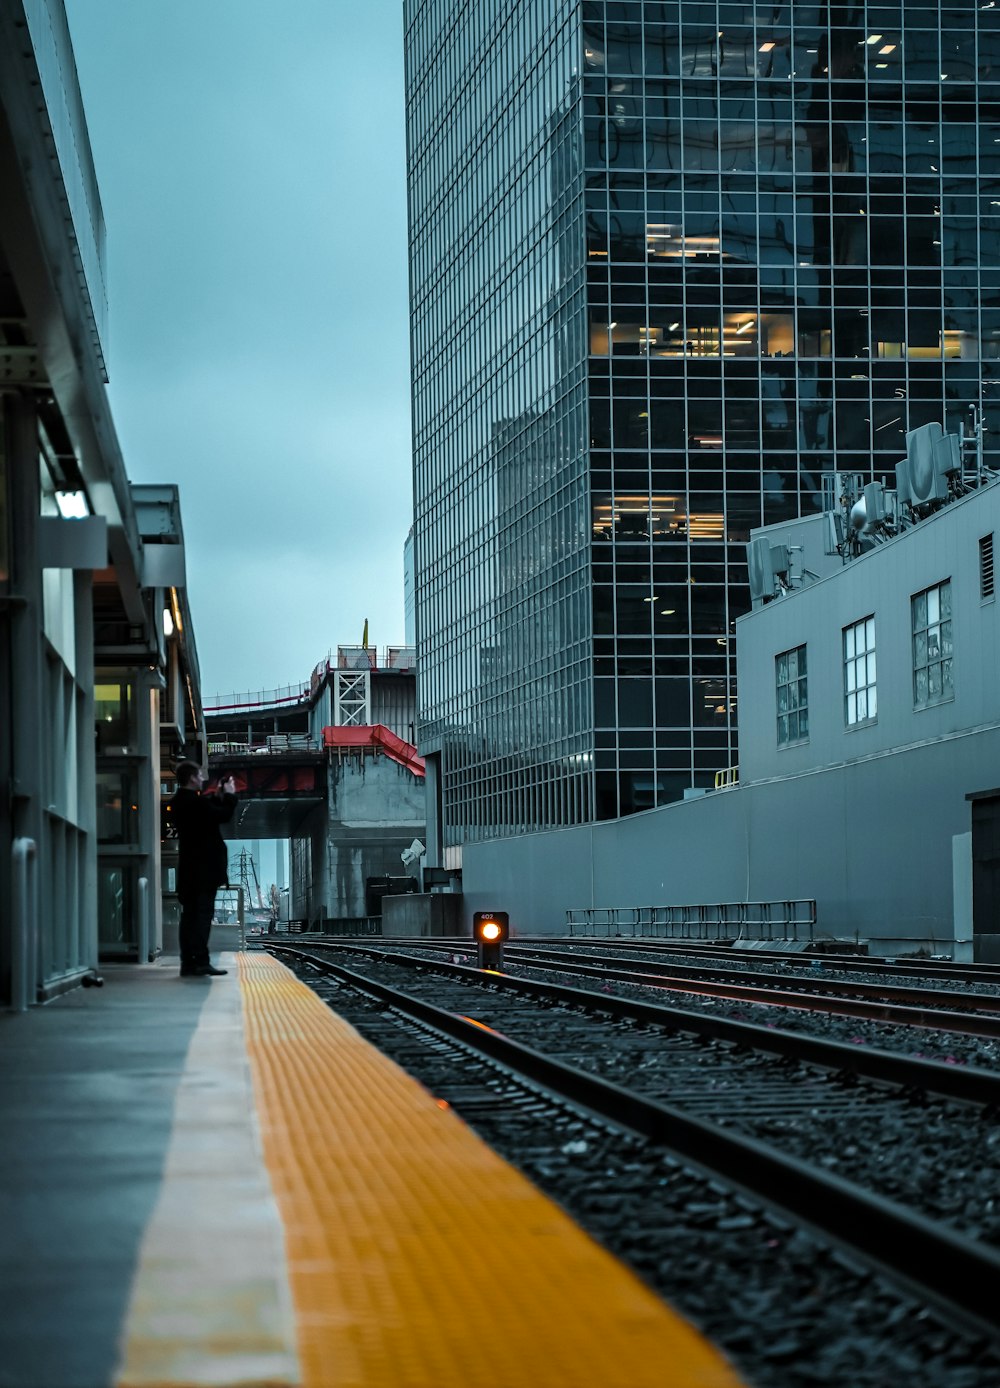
{"x":932,"y":651}
{"x":792,"y":695}
{"x":860,"y":699}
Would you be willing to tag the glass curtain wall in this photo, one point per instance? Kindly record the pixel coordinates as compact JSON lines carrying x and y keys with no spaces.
{"x":498,"y":330}
{"x":792,"y":252}
{"x":792,"y":242}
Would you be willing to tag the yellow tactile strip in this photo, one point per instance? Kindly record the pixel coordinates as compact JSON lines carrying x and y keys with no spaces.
{"x":417,"y":1258}
{"x":210,"y":1306}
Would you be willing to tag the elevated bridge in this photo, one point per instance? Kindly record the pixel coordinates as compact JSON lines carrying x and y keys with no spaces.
{"x":283,"y":778}
{"x":280,"y":782}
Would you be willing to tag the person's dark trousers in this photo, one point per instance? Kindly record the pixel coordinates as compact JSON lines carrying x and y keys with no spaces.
{"x":197,"y":911}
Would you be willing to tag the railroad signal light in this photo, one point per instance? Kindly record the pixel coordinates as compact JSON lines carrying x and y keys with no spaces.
{"x":490,"y":929}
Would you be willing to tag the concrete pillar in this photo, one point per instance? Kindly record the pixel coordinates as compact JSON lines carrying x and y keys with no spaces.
{"x":434,"y":857}
{"x":87,"y":762}
{"x":148,"y":688}
{"x":25,"y":599}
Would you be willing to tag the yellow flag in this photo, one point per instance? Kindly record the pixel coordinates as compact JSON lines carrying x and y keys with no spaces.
{"x":364,"y":639}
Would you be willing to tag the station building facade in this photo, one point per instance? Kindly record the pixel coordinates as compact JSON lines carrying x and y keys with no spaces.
{"x":670,"y":264}
{"x":98,"y":670}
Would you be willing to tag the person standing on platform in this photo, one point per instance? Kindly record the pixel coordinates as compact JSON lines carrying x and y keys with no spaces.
{"x":202,"y":862}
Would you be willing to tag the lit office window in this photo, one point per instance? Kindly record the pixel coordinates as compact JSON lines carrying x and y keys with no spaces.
{"x":932,"y":653}
{"x":793,"y":699}
{"x":860,"y":699}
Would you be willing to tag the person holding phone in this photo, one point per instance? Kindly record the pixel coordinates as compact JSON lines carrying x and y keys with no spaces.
{"x":202,"y":861}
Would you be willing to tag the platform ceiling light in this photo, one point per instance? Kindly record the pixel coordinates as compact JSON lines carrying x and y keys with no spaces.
{"x":766,"y":47}
{"x":490,"y":929}
{"x":72,"y":505}
{"x":874,"y":38}
{"x":168,"y":622}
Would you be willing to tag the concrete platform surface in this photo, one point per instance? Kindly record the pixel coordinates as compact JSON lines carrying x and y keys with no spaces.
{"x":219,"y":1182}
{"x":132,"y":1182}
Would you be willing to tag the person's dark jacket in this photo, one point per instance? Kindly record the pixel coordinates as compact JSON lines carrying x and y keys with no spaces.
{"x":202,"y":859}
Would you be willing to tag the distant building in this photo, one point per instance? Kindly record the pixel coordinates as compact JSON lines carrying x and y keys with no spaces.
{"x":91,"y":568}
{"x":330,"y":766}
{"x":669,"y":265}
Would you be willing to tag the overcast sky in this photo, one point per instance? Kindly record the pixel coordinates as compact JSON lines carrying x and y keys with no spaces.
{"x":251,"y":161}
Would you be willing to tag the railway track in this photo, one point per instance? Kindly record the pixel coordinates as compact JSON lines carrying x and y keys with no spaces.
{"x":897,"y":1158}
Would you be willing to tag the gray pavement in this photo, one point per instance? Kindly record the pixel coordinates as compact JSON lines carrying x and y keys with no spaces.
{"x":87,"y":1093}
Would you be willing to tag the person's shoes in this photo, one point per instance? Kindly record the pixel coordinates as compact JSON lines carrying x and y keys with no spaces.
{"x":209,"y":971}
{"x":191,"y":971}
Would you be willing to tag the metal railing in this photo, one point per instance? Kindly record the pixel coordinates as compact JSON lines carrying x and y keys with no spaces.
{"x":730,"y":920}
{"x":259,"y":698}
{"x":339,"y":925}
{"x":274,"y":742}
{"x":727,"y":778}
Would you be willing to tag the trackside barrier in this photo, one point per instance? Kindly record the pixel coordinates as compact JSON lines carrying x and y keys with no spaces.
{"x":731,"y":920}
{"x":339,"y":925}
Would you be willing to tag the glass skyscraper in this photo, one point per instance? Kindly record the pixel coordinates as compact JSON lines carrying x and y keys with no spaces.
{"x":670,"y":263}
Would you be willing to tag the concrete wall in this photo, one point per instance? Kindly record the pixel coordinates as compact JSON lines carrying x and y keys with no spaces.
{"x":375,"y":809}
{"x":871,"y":842}
{"x":425,"y":913}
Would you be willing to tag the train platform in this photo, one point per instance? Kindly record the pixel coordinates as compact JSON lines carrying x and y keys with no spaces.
{"x":219,"y":1182}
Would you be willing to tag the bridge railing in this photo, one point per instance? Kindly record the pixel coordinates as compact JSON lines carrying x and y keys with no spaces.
{"x":259,"y":698}
{"x":274,"y":742}
{"x":730,"y":920}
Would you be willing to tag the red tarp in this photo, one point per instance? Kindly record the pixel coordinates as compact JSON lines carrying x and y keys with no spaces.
{"x":376,"y":735}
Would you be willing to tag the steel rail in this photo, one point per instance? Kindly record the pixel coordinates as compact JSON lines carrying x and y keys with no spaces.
{"x":848,"y":963}
{"x":779,"y":995}
{"x":768,"y":983}
{"x":946,"y":1268}
{"x":965,"y":1083}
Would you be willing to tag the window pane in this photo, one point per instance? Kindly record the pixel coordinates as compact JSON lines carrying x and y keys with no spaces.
{"x":919,"y":611}
{"x":849,"y":642}
{"x":933,"y":605}
{"x":872,"y":703}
